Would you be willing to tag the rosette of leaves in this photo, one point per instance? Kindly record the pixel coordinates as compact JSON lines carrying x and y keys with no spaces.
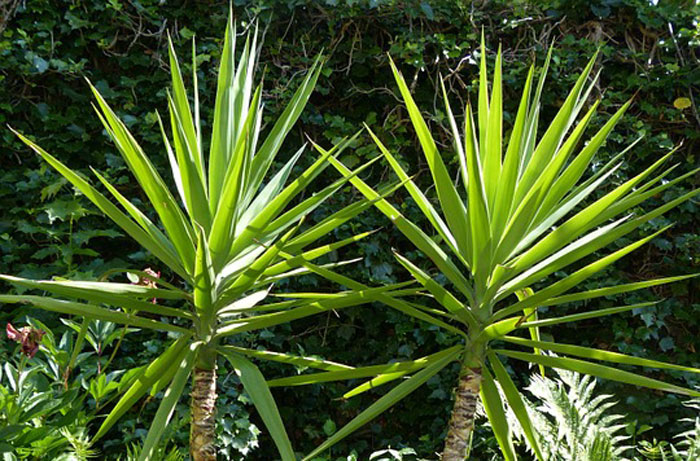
{"x":226,"y":231}
{"x":517,"y":215}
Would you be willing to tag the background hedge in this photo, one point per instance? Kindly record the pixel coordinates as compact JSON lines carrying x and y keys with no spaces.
{"x":647,"y":51}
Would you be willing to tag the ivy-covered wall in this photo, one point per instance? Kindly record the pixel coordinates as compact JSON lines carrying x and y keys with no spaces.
{"x":649,"y":51}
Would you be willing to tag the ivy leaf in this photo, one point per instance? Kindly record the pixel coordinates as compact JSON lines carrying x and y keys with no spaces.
{"x":40,"y":64}
{"x":666,"y":344}
{"x":329,"y":427}
{"x":682,"y":103}
{"x":52,"y":189}
{"x":428,"y":10}
{"x":64,"y":209}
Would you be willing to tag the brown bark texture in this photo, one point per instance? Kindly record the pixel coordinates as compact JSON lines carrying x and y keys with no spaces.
{"x":462,"y":419}
{"x":203,"y":409}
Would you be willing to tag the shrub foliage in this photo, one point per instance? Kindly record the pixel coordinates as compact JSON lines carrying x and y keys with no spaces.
{"x":45,"y":227}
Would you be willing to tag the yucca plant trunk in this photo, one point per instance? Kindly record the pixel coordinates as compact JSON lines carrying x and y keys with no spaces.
{"x":461,"y":424}
{"x":203,"y":410}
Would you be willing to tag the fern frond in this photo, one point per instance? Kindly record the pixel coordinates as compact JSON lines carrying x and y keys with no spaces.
{"x":572,"y":421}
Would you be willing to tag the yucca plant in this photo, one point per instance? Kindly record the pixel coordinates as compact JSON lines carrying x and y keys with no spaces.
{"x":517,"y":217}
{"x":229,"y":236}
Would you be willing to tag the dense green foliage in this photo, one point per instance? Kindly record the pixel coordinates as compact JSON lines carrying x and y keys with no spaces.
{"x":45,"y":228}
